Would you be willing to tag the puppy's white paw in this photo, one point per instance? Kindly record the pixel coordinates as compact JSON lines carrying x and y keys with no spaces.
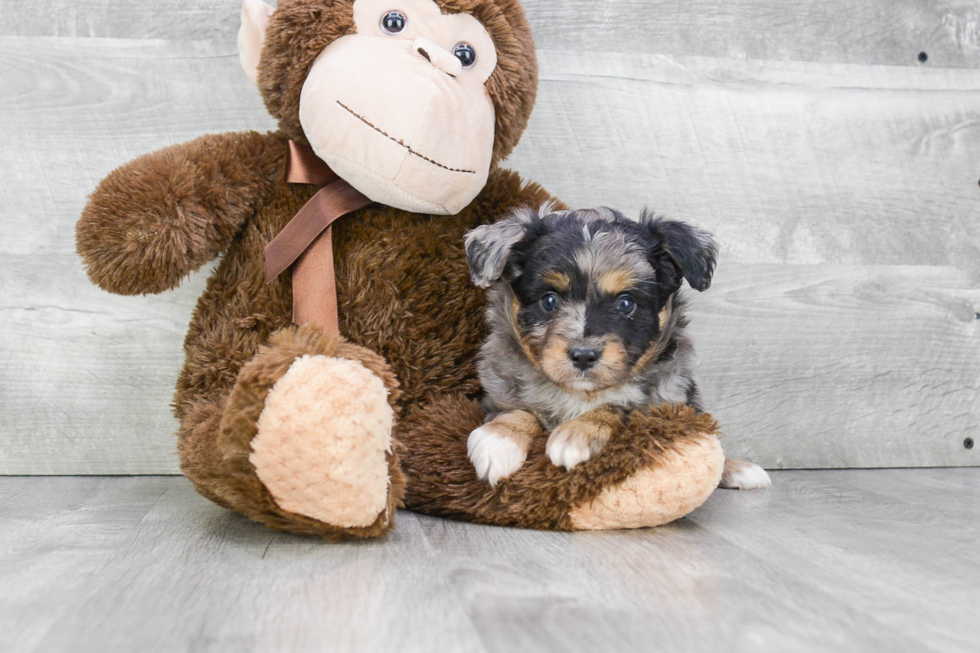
{"x":568,"y":447}
{"x":740,"y":475}
{"x":494,"y":456}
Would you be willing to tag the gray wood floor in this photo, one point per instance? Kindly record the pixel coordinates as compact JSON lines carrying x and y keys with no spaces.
{"x":880,"y":560}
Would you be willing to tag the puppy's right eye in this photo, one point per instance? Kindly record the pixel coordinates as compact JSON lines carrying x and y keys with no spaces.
{"x":549,"y":301}
{"x":393,"y":22}
{"x":625,"y":305}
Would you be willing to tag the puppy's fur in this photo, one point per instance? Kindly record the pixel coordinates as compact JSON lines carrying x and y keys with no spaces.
{"x":586,"y":325}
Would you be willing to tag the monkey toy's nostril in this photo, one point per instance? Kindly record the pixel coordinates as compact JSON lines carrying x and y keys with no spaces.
{"x":438,"y":56}
{"x":584,"y":358}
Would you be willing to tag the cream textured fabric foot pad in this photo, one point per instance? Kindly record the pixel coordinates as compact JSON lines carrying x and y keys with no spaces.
{"x":684,"y":480}
{"x":322,"y":439}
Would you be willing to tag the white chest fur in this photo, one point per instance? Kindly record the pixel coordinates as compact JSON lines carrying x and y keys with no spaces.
{"x":554,"y":406}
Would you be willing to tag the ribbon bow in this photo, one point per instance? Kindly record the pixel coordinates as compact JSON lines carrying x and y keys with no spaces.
{"x":306,"y":242}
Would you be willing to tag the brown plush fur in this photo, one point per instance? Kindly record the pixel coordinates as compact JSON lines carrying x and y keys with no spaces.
{"x":165,"y":214}
{"x":402,"y":285}
{"x":432,"y":447}
{"x":404,"y":292}
{"x":300,"y":29}
{"x":403,"y":288}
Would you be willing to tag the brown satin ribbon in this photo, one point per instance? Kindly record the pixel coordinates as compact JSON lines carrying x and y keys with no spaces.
{"x":306,"y":242}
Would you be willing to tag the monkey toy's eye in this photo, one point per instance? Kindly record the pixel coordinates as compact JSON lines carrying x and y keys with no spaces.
{"x":466,"y":54}
{"x":393,"y":22}
{"x":625,"y":305}
{"x":549,"y":301}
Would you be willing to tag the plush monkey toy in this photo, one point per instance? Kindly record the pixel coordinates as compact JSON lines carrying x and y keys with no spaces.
{"x":393,"y":116}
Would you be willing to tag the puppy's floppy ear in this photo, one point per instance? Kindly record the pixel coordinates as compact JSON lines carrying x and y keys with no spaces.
{"x":489,"y":246}
{"x":693,"y":251}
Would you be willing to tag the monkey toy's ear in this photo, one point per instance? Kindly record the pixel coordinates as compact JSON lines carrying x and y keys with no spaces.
{"x":488,"y":247}
{"x":255,"y":18}
{"x":692,"y":251}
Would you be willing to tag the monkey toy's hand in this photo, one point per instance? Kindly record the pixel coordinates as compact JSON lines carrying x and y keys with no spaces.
{"x":163,"y":215}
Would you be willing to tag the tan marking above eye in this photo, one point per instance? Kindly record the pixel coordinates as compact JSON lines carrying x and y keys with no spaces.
{"x":663,"y":315}
{"x":614,"y":282}
{"x":557,"y":280}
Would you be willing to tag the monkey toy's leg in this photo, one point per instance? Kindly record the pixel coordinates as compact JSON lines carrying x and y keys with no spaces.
{"x":660,"y":467}
{"x":303,"y":442}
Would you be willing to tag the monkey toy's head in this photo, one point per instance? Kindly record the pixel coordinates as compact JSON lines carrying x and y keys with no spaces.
{"x":412,"y":102}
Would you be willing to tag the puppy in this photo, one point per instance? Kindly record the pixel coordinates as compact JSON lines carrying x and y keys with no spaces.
{"x":586,"y":325}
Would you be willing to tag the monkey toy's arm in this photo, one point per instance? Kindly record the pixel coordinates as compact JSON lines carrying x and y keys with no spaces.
{"x":163,"y":215}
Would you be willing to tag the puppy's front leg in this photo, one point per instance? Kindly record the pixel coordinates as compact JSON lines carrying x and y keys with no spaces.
{"x":499,"y":448}
{"x":579,"y":439}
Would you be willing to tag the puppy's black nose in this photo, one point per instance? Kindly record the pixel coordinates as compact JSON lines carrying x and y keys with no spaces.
{"x":584,"y":358}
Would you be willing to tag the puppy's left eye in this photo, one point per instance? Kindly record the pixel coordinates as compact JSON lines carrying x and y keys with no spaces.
{"x":625,"y":305}
{"x":549,"y":301}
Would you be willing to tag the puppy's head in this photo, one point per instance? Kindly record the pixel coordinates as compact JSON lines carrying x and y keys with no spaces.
{"x":587,"y":293}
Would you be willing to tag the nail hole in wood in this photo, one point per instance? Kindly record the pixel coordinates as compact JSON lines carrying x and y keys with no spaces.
{"x":968,"y":443}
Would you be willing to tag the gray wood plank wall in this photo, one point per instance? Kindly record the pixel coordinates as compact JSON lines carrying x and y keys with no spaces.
{"x":839,"y":172}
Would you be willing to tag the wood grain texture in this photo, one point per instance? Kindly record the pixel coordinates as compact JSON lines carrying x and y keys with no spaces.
{"x":846,"y":366}
{"x":842,"y":560}
{"x":837,"y":31}
{"x":184,"y":20}
{"x":835,"y":166}
{"x":783,"y":162}
{"x":87,"y":377}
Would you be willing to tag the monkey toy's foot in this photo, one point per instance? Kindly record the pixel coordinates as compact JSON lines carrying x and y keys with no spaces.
{"x":321,"y":413}
{"x":322,"y":439}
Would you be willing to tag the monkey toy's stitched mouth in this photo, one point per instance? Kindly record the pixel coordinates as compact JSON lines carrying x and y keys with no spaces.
{"x":401,"y":142}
